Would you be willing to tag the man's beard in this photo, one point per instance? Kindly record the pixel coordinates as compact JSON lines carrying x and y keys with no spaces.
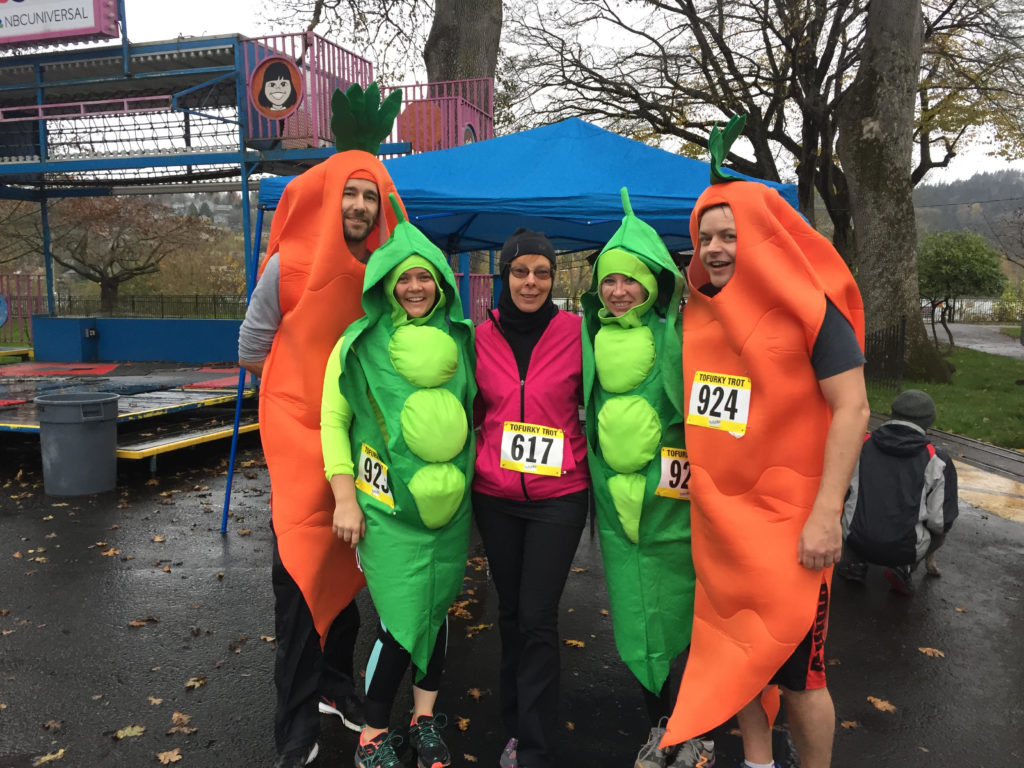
{"x":356,"y":233}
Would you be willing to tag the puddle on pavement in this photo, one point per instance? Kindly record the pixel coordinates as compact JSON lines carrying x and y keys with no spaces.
{"x":993,"y":493}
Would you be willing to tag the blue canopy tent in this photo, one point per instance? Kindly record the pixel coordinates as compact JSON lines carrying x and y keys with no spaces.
{"x":561,"y":179}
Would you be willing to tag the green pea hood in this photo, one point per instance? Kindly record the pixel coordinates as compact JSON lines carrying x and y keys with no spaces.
{"x":382,"y":273}
{"x":637,"y":238}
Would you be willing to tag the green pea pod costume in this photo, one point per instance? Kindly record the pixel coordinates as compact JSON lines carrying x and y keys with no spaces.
{"x":633,"y":391}
{"x":412,"y":482}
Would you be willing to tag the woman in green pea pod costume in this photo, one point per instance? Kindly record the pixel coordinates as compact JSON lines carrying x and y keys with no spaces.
{"x":398,"y":452}
{"x":633,"y":391}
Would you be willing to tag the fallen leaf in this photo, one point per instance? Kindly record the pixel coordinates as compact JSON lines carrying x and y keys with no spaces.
{"x":60,"y":504}
{"x":53,"y":725}
{"x":850,"y":724}
{"x":574,"y":643}
{"x":961,"y":609}
{"x":605,"y":612}
{"x":196,"y":682}
{"x":881,"y":704}
{"x":833,"y":662}
{"x":935,"y":653}
{"x":244,"y":531}
{"x":131,"y":730}
{"x":181,"y":724}
{"x":475,"y":693}
{"x":570,"y":726}
{"x":220,"y":574}
{"x":477,"y":629}
{"x":152,"y":481}
{"x":17,"y":555}
{"x":469,"y":758}
{"x":143,"y":622}
{"x":166,"y":569}
{"x":159,"y":539}
{"x":462,"y":723}
{"x":48,"y":517}
{"x":170,"y":756}
{"x":577,"y":569}
{"x":58,"y":755}
{"x":111,"y":552}
{"x":268,"y":638}
{"x":51,"y":536}
{"x":155,"y":701}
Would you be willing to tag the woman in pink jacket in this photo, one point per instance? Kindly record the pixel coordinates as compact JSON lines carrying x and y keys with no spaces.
{"x":530,"y":490}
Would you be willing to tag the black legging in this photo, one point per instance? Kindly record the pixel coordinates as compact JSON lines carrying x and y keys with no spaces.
{"x":386,"y":668}
{"x":529,"y":561}
{"x":302,"y":673}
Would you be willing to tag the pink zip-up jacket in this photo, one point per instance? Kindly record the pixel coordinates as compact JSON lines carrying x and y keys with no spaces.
{"x":550,"y":396}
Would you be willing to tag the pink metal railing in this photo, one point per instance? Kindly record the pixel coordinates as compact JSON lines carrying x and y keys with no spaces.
{"x":325,"y":67}
{"x":26,"y":296}
{"x":434,"y":115}
{"x":447,"y":114}
{"x":73,"y":109}
{"x":481,"y":291}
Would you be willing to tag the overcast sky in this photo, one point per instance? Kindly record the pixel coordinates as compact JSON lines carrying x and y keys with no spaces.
{"x":150,"y":21}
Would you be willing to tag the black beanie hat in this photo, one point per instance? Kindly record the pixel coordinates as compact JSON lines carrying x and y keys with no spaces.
{"x":525,"y":241}
{"x":914,"y":406}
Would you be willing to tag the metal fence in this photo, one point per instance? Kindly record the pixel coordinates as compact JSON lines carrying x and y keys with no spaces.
{"x":194,"y":305}
{"x":884,"y":350}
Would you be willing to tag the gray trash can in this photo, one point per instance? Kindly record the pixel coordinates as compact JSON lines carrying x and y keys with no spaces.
{"x":78,"y":439}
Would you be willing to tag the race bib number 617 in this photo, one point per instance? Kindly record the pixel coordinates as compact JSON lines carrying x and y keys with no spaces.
{"x":532,"y":448}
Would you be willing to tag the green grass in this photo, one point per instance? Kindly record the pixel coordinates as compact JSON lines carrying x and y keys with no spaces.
{"x":1013,"y":333}
{"x":985,"y":399}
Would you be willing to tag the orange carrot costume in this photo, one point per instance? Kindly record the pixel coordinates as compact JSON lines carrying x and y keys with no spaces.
{"x":755,"y":432}
{"x":320,"y":290}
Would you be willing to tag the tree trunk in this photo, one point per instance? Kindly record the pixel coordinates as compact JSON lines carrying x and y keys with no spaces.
{"x":876,"y":123}
{"x":108,"y":296}
{"x":464,"y":40}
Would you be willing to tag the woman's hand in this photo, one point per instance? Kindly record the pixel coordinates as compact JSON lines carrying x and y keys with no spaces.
{"x":349,"y":524}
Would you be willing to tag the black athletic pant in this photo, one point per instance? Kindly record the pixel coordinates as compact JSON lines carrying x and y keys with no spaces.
{"x":302,"y":673}
{"x":386,"y":668}
{"x":529,"y":561}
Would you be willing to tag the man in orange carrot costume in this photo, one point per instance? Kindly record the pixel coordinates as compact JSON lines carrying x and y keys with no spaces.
{"x":327,"y":223}
{"x":776,"y":411}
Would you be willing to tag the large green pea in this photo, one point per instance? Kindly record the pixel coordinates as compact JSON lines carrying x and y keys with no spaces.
{"x":628,"y":432}
{"x":425,"y":356}
{"x":624,"y":357}
{"x":434,"y":424}
{"x":438,"y":490}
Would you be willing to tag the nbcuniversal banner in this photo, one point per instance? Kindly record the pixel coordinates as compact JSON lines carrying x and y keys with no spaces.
{"x":38,"y":22}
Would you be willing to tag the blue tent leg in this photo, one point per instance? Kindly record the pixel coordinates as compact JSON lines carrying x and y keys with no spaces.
{"x":250,"y":282}
{"x":234,"y":450}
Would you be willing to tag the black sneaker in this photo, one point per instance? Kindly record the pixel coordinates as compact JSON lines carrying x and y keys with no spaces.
{"x":899,"y":580}
{"x":298,"y":758}
{"x":379,"y":752}
{"x":349,"y":709}
{"x":425,"y":738}
{"x":852,"y":571}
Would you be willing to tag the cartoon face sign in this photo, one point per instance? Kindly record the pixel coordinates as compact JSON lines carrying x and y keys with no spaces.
{"x":275,"y":87}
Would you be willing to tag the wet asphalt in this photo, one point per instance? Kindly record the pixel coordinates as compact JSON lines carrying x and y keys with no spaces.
{"x":129,"y":608}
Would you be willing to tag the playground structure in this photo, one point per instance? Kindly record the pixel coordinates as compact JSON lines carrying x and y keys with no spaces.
{"x":182,"y":115}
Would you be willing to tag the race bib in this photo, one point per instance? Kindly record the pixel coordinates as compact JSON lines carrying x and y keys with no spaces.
{"x":675,"y":474}
{"x":532,"y":448}
{"x":720,"y":401}
{"x":372,"y":476}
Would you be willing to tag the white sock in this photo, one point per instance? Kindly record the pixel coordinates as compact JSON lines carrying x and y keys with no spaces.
{"x":749,"y":764}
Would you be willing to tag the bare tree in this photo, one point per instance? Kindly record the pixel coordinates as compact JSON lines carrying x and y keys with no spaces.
{"x":674,"y":68}
{"x":111,"y":240}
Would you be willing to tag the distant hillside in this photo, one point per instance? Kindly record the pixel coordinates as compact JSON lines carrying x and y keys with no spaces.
{"x":991,"y":204}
